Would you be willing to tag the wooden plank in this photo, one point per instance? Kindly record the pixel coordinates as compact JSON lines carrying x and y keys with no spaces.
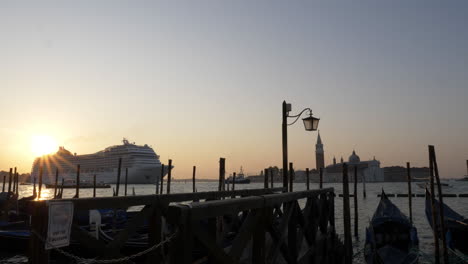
{"x":258,"y":237}
{"x":244,"y":235}
{"x":292,"y":233}
{"x":154,"y":234}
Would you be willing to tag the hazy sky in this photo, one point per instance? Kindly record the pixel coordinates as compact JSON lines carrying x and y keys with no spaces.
{"x":199,"y":80}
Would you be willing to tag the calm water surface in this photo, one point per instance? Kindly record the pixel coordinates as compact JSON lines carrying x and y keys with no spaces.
{"x":366,"y":206}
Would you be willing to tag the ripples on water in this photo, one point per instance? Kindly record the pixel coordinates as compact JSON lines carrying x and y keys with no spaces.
{"x":366,"y":206}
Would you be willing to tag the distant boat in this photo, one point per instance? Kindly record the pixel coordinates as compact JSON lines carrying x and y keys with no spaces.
{"x":390,"y":237}
{"x":455,"y":224}
{"x":83,"y":185}
{"x":240,"y":178}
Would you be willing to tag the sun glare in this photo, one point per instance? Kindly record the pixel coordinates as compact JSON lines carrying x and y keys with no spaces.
{"x":42,"y":144}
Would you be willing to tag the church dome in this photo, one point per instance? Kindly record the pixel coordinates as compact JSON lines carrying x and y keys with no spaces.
{"x":354,"y":158}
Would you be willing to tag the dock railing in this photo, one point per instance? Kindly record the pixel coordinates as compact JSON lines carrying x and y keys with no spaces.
{"x":154,"y":212}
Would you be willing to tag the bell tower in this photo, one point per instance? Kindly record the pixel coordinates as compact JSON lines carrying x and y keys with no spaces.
{"x":319,"y":153}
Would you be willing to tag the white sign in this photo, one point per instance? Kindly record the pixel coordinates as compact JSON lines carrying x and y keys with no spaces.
{"x":60,"y":221}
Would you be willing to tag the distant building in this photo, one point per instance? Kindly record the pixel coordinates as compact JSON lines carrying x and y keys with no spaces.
{"x":399,"y":174}
{"x":319,"y":154}
{"x":369,"y":170}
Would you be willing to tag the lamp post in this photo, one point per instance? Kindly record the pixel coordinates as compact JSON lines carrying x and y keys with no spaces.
{"x":310,"y":124}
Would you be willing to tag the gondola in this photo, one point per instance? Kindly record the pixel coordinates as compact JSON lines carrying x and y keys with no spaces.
{"x":390,"y":238}
{"x":455,"y":224}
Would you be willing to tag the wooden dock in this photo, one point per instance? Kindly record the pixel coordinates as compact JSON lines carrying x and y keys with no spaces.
{"x":265,"y":226}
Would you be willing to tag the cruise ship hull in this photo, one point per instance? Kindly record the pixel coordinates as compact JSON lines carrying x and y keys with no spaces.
{"x":137,"y":175}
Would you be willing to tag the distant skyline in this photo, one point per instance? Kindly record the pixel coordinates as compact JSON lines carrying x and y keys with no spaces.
{"x":199,"y":80}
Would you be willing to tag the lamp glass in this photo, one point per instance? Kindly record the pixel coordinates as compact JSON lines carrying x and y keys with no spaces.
{"x":311,"y":123}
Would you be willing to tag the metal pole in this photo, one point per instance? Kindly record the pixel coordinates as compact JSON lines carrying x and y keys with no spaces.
{"x":410,"y":196}
{"x":285,"y":146}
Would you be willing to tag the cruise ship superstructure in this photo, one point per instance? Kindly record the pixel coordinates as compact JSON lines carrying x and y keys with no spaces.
{"x":142,"y":162}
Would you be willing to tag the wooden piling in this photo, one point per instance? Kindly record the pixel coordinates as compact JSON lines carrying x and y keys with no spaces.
{"x":14,"y":181}
{"x":321,"y":178}
{"x":434,"y":216}
{"x":364,"y":186}
{"x":34,"y":187}
{"x":441,"y":205}
{"x":193,"y":178}
{"x":234,"y":181}
{"x":291,"y":176}
{"x":4,"y":179}
{"x":222,"y":171}
{"x":9,"y":180}
{"x":77,"y":191}
{"x":61,"y":188}
{"x":119,"y":168}
{"x":39,"y":183}
{"x":307,"y":179}
{"x":356,"y":214}
{"x":126,"y":180}
{"x":94,"y":185}
{"x":271,"y":178}
{"x":410,"y":196}
{"x":265,"y":183}
{"x":347,"y":217}
{"x":56,"y":183}
{"x":162,"y":179}
{"x":169,"y":177}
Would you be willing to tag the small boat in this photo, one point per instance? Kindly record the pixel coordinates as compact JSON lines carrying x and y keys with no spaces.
{"x":455,"y":224}
{"x":240,"y":178}
{"x":390,"y":237}
{"x":83,"y":185}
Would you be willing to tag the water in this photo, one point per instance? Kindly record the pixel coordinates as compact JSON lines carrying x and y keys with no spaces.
{"x":366,"y":206}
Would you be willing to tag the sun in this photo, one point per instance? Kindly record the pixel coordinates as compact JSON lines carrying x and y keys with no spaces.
{"x":43,"y":144}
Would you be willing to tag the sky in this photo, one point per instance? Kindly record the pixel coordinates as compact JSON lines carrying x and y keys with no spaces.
{"x":200,"y":80}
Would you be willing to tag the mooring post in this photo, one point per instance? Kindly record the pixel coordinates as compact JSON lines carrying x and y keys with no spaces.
{"x":193,"y":178}
{"x":168,"y":191}
{"x":119,"y":168}
{"x":410,"y":196}
{"x":265,"y":183}
{"x":155,"y":232}
{"x":356,"y":215}
{"x":441,"y":205}
{"x":39,"y":183}
{"x":284,"y":130}
{"x":291,"y":176}
{"x":9,"y":180}
{"x":77,"y":192}
{"x":307,"y":179}
{"x":363,"y":186}
{"x":347,"y":217}
{"x":234,"y":181}
{"x":61,"y":188}
{"x":39,"y":222}
{"x":4,"y":180}
{"x":271,"y":178}
{"x":94,"y":185}
{"x":321,"y":177}
{"x":162,"y":179}
{"x":126,"y":180}
{"x":434,"y":216}
{"x":56,"y":183}
{"x":34,"y":188}
{"x":14,"y":181}
{"x":222,"y":170}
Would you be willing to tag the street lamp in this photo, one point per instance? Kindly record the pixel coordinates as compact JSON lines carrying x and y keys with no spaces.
{"x":310,"y":124}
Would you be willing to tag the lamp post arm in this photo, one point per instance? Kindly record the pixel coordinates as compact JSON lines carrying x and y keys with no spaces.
{"x":299,"y":115}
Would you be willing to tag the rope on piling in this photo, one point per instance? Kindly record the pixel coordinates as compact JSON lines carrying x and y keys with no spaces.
{"x":105,"y":261}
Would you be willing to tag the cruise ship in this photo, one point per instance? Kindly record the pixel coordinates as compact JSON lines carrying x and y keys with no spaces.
{"x":142,"y":163}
